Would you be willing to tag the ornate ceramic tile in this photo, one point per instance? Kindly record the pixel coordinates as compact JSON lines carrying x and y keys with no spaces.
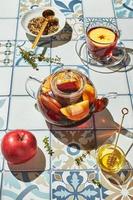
{"x":118,"y":186}
{"x":73,"y":30}
{"x":71,"y":8}
{"x":25,"y":185}
{"x":74,"y":184}
{"x":70,"y":145}
{"x":123,"y":8}
{"x":59,"y":177}
{"x":6,"y":53}
{"x":26,"y":5}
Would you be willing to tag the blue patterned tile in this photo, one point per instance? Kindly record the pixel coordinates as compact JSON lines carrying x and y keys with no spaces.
{"x":26,"y":5}
{"x":74,"y":185}
{"x":72,"y":31}
{"x":123,"y":8}
{"x":26,"y":45}
{"x":100,"y":20}
{"x":71,"y":144}
{"x":32,"y":185}
{"x":71,"y":8}
{"x":118,"y":185}
{"x":6,"y":53}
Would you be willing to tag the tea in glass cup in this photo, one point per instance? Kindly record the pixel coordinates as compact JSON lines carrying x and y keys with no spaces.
{"x":101,"y":40}
{"x":110,"y":159}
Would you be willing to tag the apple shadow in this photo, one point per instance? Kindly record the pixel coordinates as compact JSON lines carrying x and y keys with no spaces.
{"x":37,"y":163}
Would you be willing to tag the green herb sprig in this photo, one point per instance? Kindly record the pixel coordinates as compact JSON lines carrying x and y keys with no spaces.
{"x":96,"y":182}
{"x":80,"y":159}
{"x":31,"y":58}
{"x":47,"y":146}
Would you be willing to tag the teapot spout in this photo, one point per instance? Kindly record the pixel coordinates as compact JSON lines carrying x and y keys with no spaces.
{"x":100,"y":104}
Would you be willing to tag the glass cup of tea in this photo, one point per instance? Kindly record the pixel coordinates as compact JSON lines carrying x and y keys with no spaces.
{"x":101,"y":39}
{"x":111,"y":159}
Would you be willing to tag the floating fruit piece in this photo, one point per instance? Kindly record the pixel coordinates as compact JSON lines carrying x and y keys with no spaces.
{"x":54,"y":116}
{"x":50,"y":103}
{"x":68,"y":86}
{"x":102,"y":36}
{"x":49,"y":113}
{"x":89,"y":93}
{"x":76,"y":111}
{"x":100,"y":104}
{"x":46,"y":86}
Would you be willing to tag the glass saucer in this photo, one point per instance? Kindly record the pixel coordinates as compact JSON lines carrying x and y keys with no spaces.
{"x":118,"y":55}
{"x":115,"y":63}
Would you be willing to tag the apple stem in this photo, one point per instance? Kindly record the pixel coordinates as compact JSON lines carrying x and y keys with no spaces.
{"x":21,"y":137}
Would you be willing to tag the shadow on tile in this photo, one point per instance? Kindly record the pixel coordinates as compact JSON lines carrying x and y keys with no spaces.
{"x":103,"y":132}
{"x":64,"y":36}
{"x":37,"y":163}
{"x":120,"y":178}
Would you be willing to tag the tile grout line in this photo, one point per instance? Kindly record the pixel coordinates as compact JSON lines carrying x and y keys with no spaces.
{"x":13,"y":66}
{"x":11,"y":86}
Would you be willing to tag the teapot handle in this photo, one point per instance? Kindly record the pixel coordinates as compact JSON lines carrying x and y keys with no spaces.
{"x":111,"y":95}
{"x":101,"y":104}
{"x":28,"y":86}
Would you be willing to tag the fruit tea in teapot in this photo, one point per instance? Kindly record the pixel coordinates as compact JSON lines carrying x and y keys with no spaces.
{"x":67,"y":98}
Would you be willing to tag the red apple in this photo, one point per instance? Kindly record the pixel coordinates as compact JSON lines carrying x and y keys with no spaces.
{"x":18,"y":146}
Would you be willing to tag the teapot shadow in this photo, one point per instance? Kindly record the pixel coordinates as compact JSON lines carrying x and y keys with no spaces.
{"x":35,"y":167}
{"x":106,"y":131}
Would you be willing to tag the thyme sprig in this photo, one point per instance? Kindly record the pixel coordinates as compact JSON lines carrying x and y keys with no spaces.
{"x":32,"y":58}
{"x":80,"y":159}
{"x":96,"y":182}
{"x":47,"y":146}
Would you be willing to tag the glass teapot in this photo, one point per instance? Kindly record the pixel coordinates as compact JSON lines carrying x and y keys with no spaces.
{"x":67,"y":97}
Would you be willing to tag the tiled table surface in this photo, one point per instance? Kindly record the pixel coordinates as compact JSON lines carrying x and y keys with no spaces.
{"x":58,"y":177}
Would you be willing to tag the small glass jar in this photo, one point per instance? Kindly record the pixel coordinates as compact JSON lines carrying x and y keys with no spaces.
{"x":110,"y":159}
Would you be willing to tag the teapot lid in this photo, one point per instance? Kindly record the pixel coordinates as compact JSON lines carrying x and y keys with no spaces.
{"x":67,"y":82}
